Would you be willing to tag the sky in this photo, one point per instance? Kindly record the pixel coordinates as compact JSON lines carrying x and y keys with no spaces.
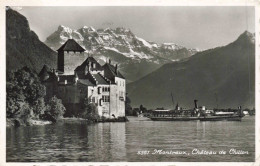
{"x":192,"y":27}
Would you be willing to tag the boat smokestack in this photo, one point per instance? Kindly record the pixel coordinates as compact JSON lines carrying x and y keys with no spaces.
{"x":240,"y":110}
{"x":195,"y":103}
{"x":116,"y":69}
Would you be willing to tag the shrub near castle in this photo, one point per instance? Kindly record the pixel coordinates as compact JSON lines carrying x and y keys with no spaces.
{"x":25,"y":99}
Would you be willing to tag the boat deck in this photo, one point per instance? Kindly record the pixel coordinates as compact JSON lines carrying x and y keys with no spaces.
{"x":174,"y":118}
{"x":206,"y":118}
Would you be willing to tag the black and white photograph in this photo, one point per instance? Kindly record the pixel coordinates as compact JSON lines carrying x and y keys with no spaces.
{"x":130,"y":83}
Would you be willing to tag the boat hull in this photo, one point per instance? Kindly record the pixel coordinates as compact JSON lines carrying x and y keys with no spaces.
{"x":221,"y":118}
{"x":174,"y":118}
{"x":207,"y":118}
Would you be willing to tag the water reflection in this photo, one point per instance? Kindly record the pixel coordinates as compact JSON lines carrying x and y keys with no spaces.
{"x":118,"y":139}
{"x":68,"y":142}
{"x":107,"y":141}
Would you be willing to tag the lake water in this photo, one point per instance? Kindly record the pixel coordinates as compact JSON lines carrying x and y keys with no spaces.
{"x":69,"y":142}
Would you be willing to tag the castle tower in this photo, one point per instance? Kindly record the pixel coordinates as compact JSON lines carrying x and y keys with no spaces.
{"x":69,"y":57}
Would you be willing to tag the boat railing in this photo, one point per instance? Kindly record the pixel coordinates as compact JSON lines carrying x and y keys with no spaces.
{"x":175,"y":113}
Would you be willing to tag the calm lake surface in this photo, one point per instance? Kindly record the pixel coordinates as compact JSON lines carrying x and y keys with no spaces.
{"x":69,"y":142}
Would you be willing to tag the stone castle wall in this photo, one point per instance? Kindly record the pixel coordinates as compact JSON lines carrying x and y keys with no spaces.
{"x":72,"y":61}
{"x":69,"y":93}
{"x":121,"y":90}
{"x":117,"y":95}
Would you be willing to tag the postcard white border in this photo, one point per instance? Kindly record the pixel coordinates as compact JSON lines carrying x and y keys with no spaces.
{"x":4,"y":3}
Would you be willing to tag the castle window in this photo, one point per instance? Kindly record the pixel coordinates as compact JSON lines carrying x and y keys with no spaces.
{"x":100,"y":102}
{"x":93,"y":65}
{"x":106,"y":98}
{"x":106,"y":89}
{"x":93,"y":99}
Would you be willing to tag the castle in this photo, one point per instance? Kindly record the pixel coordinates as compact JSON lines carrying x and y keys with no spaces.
{"x":74,"y":81}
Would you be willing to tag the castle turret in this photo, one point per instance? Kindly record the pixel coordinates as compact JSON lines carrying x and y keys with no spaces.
{"x":44,"y":75}
{"x":69,"y":56}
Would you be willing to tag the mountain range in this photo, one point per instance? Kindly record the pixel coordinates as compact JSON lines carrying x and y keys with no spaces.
{"x":135,"y":56}
{"x":23,"y":47}
{"x":219,"y":77}
{"x":223,"y":76}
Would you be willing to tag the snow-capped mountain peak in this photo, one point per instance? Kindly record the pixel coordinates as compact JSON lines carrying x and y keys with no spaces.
{"x":122,"y":46}
{"x":172,"y":46}
{"x":64,"y":29}
{"x":120,"y":41}
{"x":145,"y":43}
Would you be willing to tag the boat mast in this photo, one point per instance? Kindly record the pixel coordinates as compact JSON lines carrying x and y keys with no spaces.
{"x":172,"y":101}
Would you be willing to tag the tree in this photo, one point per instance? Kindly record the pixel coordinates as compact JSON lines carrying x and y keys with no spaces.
{"x":13,"y":102}
{"x":25,"y":113}
{"x":35,"y":92}
{"x":89,"y":111}
{"x":55,"y":108}
{"x":39,"y":107}
{"x":24,"y":88}
{"x":128,"y":108}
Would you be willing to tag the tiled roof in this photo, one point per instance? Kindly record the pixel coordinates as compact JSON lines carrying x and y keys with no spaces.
{"x":52,"y":77}
{"x":70,"y":79}
{"x":110,"y":72}
{"x":81,"y":75}
{"x":86,"y":82}
{"x":71,"y":45}
{"x":86,"y":62}
{"x":94,"y":79}
{"x":100,"y":79}
{"x":91,"y":78}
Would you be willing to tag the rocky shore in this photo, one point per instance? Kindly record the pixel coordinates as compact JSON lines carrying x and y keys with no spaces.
{"x":17,"y":122}
{"x":32,"y":122}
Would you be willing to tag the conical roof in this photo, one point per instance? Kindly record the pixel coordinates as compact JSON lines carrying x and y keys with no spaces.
{"x":44,"y":75}
{"x":44,"y":70}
